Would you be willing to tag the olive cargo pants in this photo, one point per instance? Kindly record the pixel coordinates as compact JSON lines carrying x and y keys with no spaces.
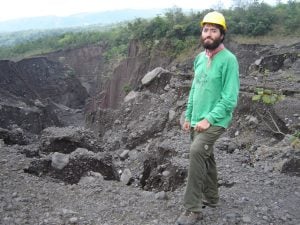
{"x":202,"y":175}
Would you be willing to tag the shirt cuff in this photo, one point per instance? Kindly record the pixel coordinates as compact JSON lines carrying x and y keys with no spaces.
{"x":210,"y":119}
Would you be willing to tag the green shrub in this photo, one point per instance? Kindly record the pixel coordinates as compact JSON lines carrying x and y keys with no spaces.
{"x":267,"y":96}
{"x":127,"y":88}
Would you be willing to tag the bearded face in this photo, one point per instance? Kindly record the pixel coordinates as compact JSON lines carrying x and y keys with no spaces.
{"x":211,"y":37}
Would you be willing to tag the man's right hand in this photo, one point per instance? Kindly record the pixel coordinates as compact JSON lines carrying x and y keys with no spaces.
{"x":186,"y":126}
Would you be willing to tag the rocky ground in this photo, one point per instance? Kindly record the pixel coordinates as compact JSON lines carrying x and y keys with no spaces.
{"x":249,"y":195}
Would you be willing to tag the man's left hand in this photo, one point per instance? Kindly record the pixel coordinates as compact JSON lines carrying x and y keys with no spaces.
{"x":202,"y":125}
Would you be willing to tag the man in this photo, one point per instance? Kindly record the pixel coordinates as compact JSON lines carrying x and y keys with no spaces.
{"x":212,"y":99}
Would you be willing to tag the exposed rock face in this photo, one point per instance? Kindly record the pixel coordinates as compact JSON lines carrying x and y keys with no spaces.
{"x":160,"y":173}
{"x":68,"y":139}
{"x":69,"y":154}
{"x":48,"y":79}
{"x":88,"y":63}
{"x":100,"y":120}
{"x":246,"y":54}
{"x":15,"y":136}
{"x":129,"y":74}
{"x":292,"y":166}
{"x":28,"y":117}
{"x":29,"y":90}
{"x":74,"y":166}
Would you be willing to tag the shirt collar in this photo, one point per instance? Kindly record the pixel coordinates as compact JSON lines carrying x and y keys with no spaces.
{"x":211,"y":53}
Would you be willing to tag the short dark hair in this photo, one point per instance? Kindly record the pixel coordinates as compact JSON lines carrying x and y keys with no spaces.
{"x":222,"y":31}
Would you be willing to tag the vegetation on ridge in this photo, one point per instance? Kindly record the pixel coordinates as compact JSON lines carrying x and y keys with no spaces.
{"x":179,"y":30}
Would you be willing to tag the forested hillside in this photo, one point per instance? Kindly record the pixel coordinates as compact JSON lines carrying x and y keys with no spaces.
{"x":179,"y":29}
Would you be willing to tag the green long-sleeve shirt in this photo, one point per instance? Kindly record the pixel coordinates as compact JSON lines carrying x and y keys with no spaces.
{"x":214,"y":92}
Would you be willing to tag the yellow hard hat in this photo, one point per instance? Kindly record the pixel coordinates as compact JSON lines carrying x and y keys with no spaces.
{"x":215,"y":18}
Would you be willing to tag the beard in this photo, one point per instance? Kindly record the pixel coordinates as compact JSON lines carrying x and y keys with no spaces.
{"x":212,"y":45}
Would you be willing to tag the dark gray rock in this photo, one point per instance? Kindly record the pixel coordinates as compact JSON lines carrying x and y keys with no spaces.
{"x":292,"y":166}
{"x":67,"y":139}
{"x":30,"y":150}
{"x":14,"y":136}
{"x":154,"y":179}
{"x":70,"y":168}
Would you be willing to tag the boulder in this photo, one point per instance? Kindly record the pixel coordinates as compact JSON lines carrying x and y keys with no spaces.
{"x":71,"y":167}
{"x":131,"y":95}
{"x":68,"y":139}
{"x":292,"y":166}
{"x":14,"y":136}
{"x":150,"y":76}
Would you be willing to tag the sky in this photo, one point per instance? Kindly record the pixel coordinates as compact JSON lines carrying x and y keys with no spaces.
{"x":15,"y":9}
